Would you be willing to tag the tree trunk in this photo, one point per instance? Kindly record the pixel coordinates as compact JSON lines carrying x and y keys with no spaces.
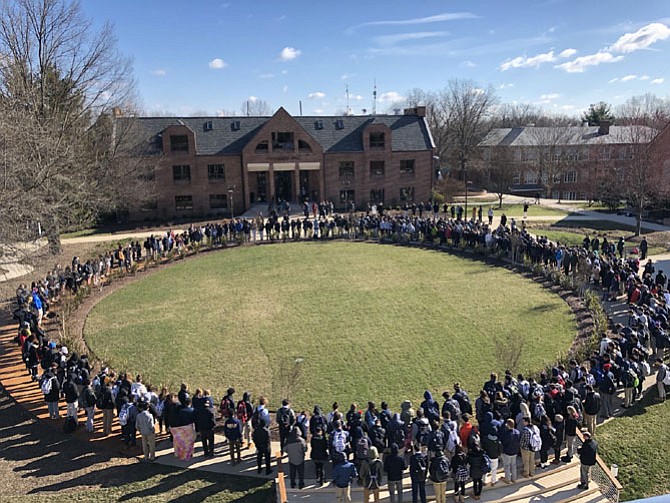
{"x":638,"y":223}
{"x":500,"y":197}
{"x":52,"y":231}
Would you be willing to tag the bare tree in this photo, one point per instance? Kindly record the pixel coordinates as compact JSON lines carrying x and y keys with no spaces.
{"x":59,"y":78}
{"x":499,"y":170}
{"x":645,"y":110}
{"x":256,"y":107}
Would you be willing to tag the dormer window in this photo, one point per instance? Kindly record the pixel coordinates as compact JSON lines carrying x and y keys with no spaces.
{"x":377,"y":140}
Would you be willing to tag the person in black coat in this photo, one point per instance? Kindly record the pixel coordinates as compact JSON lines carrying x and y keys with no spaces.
{"x":261,"y":439}
{"x":319,"y":453}
{"x":587,"y":456}
{"x":53,"y":396}
{"x":107,"y":405}
{"x":205,"y":422}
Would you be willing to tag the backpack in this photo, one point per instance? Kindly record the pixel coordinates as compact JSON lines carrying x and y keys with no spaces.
{"x":423,"y":429}
{"x":436,"y":441}
{"x":123,"y":414}
{"x":90,"y":398}
{"x":227,"y":407}
{"x":46,"y":385}
{"x":535,"y":439}
{"x":442,"y":469}
{"x":399,"y":436}
{"x":462,"y":474}
{"x":284,"y":418}
{"x":666,"y":379}
{"x":385,"y":418}
{"x":242,"y":411}
{"x":70,"y":425}
{"x":255,"y":419}
{"x":418,"y":467}
{"x":160,"y":407}
{"x":317,"y":421}
{"x":362,"y":448}
{"x":453,"y":441}
{"x":486,"y":467}
{"x":632,"y":378}
{"x":374,"y":481}
{"x":339,"y":441}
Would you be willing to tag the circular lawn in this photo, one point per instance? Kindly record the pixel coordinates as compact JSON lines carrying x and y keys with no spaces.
{"x":324,"y":322}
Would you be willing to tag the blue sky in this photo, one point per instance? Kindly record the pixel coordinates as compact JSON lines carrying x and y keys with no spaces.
{"x":209,"y":57}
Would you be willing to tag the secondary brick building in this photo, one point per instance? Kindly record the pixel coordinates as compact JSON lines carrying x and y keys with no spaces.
{"x":202,"y":165}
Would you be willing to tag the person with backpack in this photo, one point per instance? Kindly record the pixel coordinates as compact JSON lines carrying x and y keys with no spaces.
{"x":529,"y":444}
{"x":319,"y":452}
{"x":377,"y":436}
{"x":296,"y":447}
{"x":343,"y":473}
{"x":394,"y":466}
{"x":510,"y":440}
{"x":285,"y":421}
{"x":451,"y":406}
{"x":362,"y":444}
{"x":420,"y":430}
{"x":592,"y":404}
{"x":418,"y":471}
{"x":261,"y":439}
{"x":480,"y":465}
{"x":339,"y":440}
{"x":371,"y":415}
{"x":559,"y":427}
{"x":106,"y":405}
{"x":439,"y":473}
{"x":436,"y":439}
{"x":261,"y":412}
{"x":395,"y":431}
{"x":385,"y":415}
{"x":244,"y":410}
{"x":71,"y":398}
{"x":227,"y":405}
{"x":127,"y":417}
{"x":51,"y":390}
{"x":318,"y":420}
{"x":452,"y":439}
{"x":607,"y":389}
{"x":371,"y":475}
{"x":662,"y":378}
{"x":461,"y":396}
{"x":205,"y":421}
{"x":431,"y":409}
{"x":88,"y":400}
{"x":302,"y":422}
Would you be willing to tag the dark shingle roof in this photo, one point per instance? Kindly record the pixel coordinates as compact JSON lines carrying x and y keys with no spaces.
{"x":409,"y":132}
{"x":569,"y":135}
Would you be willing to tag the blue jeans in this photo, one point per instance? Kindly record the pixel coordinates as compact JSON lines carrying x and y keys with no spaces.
{"x":53,"y":409}
{"x":418,"y":491}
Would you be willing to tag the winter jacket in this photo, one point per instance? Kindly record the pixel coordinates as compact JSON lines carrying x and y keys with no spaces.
{"x":431,"y":409}
{"x":319,"y":448}
{"x":510,"y":440}
{"x":54,"y":394}
{"x":587,"y":452}
{"x":344,"y":473}
{"x":371,"y":467}
{"x":296,"y":447}
{"x":261,"y":438}
{"x":144,"y":423}
{"x":232,"y":428}
{"x":205,"y":419}
{"x":475,"y":459}
{"x":394,"y":465}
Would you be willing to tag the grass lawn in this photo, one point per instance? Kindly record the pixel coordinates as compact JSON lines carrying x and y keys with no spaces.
{"x":364,"y":322}
{"x":515,"y":210}
{"x":636,"y":442}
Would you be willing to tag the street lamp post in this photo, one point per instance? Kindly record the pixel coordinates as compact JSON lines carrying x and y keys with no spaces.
{"x":231,"y":190}
{"x":433,"y":175}
{"x":465,"y":184}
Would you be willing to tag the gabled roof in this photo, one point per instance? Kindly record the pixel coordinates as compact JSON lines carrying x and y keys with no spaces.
{"x":409,"y":132}
{"x":568,"y":135}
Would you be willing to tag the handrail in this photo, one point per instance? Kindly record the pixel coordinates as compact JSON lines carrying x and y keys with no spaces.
{"x":281,"y":481}
{"x":608,"y":483}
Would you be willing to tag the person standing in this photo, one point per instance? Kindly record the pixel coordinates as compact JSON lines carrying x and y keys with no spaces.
{"x":394,"y":465}
{"x":285,"y":422}
{"x":510,"y":440}
{"x":244,"y":413}
{"x":106,"y":404}
{"x":51,"y":390}
{"x":206,"y":421}
{"x":592,"y":403}
{"x":418,"y":470}
{"x":459,"y":468}
{"x":587,"y":457}
{"x":490,"y":215}
{"x":475,"y":459}
{"x":319,"y":452}
{"x":531,"y":442}
{"x":146,"y":425}
{"x":371,"y":475}
{"x":88,"y":400}
{"x":261,"y":439}
{"x":660,"y":379}
{"x":232,"y":428}
{"x":343,"y":473}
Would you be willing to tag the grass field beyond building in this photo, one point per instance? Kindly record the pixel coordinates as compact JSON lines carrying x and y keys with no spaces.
{"x":329,"y":321}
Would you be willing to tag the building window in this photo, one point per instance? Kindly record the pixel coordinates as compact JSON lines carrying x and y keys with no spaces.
{"x":377,"y":140}
{"x":604,"y":154}
{"x":516,"y":179}
{"x":178,"y":143}
{"x":570,"y":177}
{"x":282,"y":141}
{"x":518,"y":155}
{"x":557,"y":178}
{"x":218,"y":201}
{"x":407,"y":168}
{"x":529,"y":178}
{"x":377,"y":196}
{"x":556,"y":194}
{"x":347,"y":198}
{"x":569,"y":195}
{"x":303,"y":147}
{"x":377,"y":168}
{"x":216,"y":173}
{"x":181,"y":173}
{"x":346,"y":169}
{"x":406,"y":194}
{"x":262,"y":147}
{"x":183,"y":203}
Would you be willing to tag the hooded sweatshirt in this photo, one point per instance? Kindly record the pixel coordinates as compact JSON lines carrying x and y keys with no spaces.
{"x":394,"y":464}
{"x":295,"y":447}
{"x":431,"y":408}
{"x":372,"y":467}
{"x":407,"y":415}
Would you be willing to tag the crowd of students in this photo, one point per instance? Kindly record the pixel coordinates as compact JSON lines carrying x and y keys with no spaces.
{"x":460,"y":439}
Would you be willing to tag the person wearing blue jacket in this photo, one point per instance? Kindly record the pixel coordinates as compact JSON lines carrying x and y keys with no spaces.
{"x":343,"y":473}
{"x":510,"y":438}
{"x":232,"y":428}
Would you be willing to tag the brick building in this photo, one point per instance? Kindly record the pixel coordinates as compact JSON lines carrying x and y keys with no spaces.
{"x":202,"y":165}
{"x":561,"y":162}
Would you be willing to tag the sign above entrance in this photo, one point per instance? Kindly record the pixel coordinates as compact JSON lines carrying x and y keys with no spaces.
{"x":283,"y":166}
{"x":258,"y":166}
{"x":304,"y":166}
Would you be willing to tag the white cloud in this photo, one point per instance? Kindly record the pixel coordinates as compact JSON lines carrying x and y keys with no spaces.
{"x":347,"y":76}
{"x":403,"y":37}
{"x":645,"y":77}
{"x":253,"y":99}
{"x":446,"y":16}
{"x":356,"y":97}
{"x":626,"y":78}
{"x":657,"y":81}
{"x":567,"y":108}
{"x":578,"y":65}
{"x":266,"y":76}
{"x":505,"y":86}
{"x":159,"y":72}
{"x":550,"y":96}
{"x":317,"y":95}
{"x":390,"y":97}
{"x":568,"y":53}
{"x":537,"y":60}
{"x":640,"y":39}
{"x":289,"y":53}
{"x":469,"y":64}
{"x":612,"y":81}
{"x":318,"y":111}
{"x":217,"y":64}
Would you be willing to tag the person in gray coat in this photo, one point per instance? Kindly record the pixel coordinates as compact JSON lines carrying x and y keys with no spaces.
{"x":296,"y":447}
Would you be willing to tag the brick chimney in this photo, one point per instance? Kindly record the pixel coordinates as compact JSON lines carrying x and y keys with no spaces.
{"x":604,"y":127}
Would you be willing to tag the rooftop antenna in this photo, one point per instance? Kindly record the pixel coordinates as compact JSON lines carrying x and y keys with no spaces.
{"x":374,"y":98}
{"x":300,"y":101}
{"x":348,"y":108}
